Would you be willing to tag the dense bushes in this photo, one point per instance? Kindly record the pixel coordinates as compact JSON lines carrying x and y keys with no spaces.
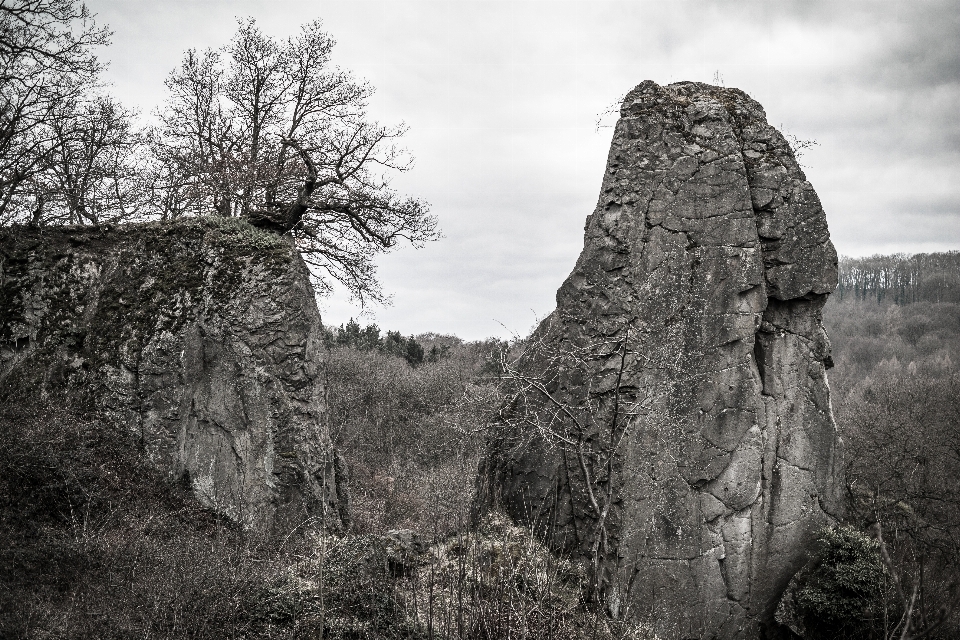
{"x":844,"y":593}
{"x":95,"y":544}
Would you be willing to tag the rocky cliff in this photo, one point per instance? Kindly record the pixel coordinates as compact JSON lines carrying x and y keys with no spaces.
{"x":672,"y":420}
{"x":202,"y":337}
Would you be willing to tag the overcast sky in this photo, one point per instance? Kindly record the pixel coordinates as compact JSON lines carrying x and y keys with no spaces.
{"x":502,"y":100}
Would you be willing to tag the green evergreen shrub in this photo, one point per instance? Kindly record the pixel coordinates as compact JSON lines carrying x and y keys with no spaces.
{"x":844,"y":593}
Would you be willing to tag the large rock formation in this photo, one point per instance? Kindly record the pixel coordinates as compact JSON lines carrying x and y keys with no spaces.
{"x":672,"y":420}
{"x":203,"y":337}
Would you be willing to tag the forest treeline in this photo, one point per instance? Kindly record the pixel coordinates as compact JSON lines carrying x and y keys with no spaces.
{"x":409,"y":348}
{"x":901,"y":278}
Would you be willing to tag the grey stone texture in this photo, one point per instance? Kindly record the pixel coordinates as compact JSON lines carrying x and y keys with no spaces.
{"x":202,"y":337}
{"x":672,"y":418}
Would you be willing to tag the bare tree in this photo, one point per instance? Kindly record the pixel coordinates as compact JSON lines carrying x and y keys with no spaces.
{"x":196,"y":144}
{"x":94,"y":170}
{"x":39,"y":34}
{"x":270,"y":131}
{"x":903,"y":463}
{"x":45,"y":62}
{"x":586,"y":428}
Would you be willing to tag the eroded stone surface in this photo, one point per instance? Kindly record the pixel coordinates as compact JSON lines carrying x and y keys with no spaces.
{"x":203,"y":337}
{"x":673,"y":417}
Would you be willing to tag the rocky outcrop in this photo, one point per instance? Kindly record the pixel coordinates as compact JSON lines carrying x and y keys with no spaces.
{"x":202,"y":337}
{"x":672,"y":419}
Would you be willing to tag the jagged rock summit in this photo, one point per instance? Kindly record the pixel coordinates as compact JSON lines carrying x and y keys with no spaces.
{"x":672,"y":420}
{"x":202,"y":337}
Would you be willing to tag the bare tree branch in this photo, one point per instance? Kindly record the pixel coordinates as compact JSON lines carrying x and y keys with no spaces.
{"x":231,"y":121}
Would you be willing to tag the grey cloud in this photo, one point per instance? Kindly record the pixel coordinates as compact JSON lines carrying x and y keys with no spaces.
{"x":925,"y":50}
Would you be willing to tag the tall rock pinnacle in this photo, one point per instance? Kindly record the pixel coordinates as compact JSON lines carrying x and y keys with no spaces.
{"x":672,"y":420}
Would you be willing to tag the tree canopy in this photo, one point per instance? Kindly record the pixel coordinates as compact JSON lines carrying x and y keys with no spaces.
{"x":271,"y":131}
{"x":48,"y":76}
{"x":265,"y":129}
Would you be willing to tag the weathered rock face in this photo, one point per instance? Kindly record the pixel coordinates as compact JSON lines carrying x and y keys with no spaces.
{"x":203,"y":337}
{"x":673,"y":419}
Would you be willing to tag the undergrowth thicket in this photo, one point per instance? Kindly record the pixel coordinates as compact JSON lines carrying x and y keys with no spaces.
{"x":95,"y":543}
{"x":896,"y":396}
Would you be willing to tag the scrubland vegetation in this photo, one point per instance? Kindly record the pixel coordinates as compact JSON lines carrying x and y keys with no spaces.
{"x":412,"y":432}
{"x":96,"y":544}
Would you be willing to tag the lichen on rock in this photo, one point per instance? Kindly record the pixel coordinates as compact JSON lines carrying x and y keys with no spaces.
{"x":672,"y":420}
{"x":202,"y":336}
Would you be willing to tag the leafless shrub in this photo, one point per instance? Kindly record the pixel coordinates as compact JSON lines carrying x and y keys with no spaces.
{"x":95,"y":543}
{"x":495,"y":581}
{"x":411,"y":436}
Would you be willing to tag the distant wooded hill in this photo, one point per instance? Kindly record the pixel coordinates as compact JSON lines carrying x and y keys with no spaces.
{"x":901,"y":278}
{"x":900,"y":307}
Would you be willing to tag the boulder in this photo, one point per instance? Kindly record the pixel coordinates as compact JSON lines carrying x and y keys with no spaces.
{"x":202,"y":337}
{"x":671,"y":419}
